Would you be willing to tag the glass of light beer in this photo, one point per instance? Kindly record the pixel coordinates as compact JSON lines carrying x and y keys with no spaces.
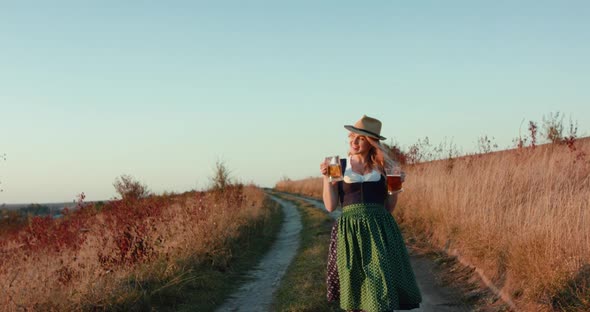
{"x":394,"y":179}
{"x":334,"y":168}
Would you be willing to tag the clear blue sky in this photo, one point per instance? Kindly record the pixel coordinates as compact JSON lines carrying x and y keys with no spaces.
{"x":161,"y":90}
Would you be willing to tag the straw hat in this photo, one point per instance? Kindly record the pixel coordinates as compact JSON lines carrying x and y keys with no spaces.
{"x":368,"y":126}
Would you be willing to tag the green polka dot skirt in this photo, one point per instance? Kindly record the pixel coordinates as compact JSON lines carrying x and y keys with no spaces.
{"x":373,"y":263}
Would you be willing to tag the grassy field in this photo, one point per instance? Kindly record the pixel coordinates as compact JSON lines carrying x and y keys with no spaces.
{"x":520,"y":216}
{"x":304,"y":287}
{"x":169,"y":252}
{"x":207,"y":285}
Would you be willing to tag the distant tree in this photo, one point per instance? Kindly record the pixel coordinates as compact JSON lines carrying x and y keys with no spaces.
{"x":221,"y":177}
{"x":130,"y":188}
{"x":36,"y":210}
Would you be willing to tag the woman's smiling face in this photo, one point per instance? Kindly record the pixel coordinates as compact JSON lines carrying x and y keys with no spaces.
{"x":359,"y":144}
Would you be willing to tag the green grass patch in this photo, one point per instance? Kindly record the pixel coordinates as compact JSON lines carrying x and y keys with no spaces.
{"x":203,"y":282}
{"x":303,"y":287}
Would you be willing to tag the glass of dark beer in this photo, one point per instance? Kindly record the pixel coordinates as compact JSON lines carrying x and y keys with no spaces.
{"x":334,"y":168}
{"x":394,"y":179}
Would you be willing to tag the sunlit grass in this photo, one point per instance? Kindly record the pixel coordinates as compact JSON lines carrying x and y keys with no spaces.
{"x":520,"y":215}
{"x":160,"y":251}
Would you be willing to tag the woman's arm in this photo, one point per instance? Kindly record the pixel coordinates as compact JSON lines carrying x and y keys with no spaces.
{"x":390,"y":202}
{"x":330,"y":194}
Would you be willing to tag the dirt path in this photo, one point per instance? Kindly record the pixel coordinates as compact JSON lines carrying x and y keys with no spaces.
{"x":256,"y":294}
{"x":434,"y":297}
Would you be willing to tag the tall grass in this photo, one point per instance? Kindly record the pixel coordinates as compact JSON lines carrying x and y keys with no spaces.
{"x":125,"y":253}
{"x":521,"y":216}
{"x":304,"y":286}
{"x":309,"y":187}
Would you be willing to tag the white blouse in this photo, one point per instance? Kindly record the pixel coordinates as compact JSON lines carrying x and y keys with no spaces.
{"x":353,"y":177}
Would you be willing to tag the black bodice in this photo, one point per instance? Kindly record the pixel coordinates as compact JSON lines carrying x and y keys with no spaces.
{"x":363,"y":192}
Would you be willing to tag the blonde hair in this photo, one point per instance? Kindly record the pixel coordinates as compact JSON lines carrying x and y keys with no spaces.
{"x":379,"y":156}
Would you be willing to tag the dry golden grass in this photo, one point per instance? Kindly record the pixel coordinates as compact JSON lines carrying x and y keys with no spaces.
{"x":309,"y":187}
{"x":521,"y":216}
{"x":195,"y":225}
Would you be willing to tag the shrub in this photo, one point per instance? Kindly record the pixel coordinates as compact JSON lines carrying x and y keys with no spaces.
{"x":130,"y":188}
{"x":221,"y":178}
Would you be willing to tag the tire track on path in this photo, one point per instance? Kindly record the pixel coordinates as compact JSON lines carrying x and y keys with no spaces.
{"x":257,"y":293}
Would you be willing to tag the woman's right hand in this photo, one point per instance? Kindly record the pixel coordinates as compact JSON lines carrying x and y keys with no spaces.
{"x":324,"y":168}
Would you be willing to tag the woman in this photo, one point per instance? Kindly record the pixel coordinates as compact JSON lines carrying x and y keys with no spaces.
{"x":369,"y":267}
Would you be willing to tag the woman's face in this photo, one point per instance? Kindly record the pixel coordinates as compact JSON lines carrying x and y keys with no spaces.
{"x":359,"y":144}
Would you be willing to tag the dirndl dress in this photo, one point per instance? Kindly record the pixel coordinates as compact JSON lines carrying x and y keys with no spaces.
{"x":368,"y":264}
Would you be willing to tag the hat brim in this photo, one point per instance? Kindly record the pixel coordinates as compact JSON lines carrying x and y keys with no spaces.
{"x":364,"y":132}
